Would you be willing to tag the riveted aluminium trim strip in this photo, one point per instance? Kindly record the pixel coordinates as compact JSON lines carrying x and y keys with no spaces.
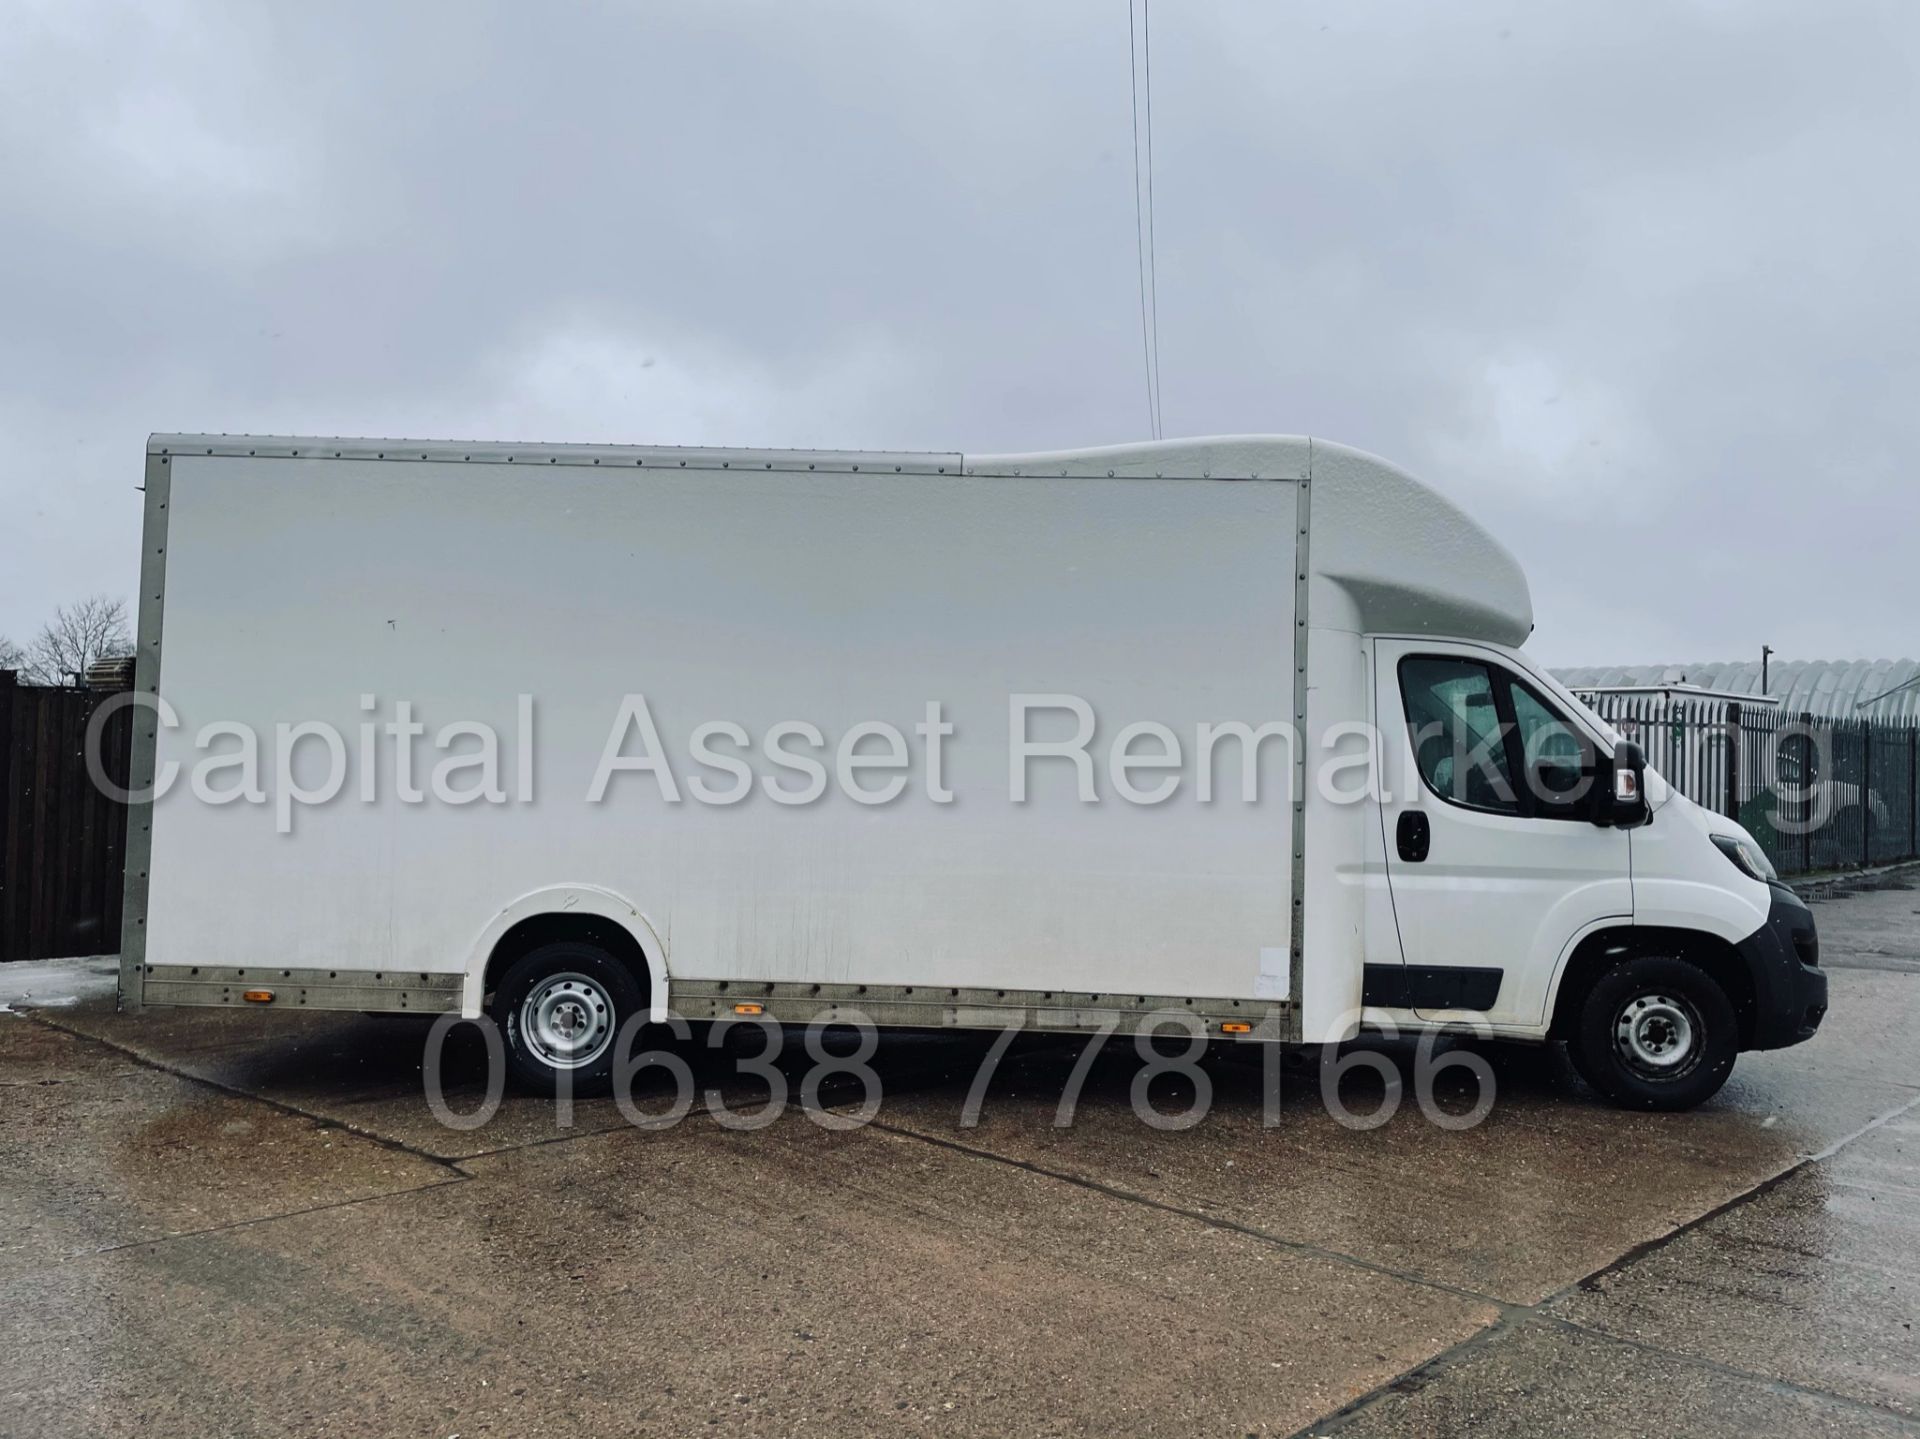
{"x":939,"y":1006}
{"x":366,"y":990}
{"x":1302,"y":568}
{"x":146,"y":731}
{"x":643,"y":457}
{"x":920,"y":1006}
{"x":656,"y":457}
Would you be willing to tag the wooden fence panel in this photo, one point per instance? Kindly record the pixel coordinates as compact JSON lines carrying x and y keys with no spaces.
{"x":62,"y":840}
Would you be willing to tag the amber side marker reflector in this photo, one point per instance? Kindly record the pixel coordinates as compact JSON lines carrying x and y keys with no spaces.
{"x":749,"y":1009}
{"x":257,"y":996}
{"x":1234,"y":1026}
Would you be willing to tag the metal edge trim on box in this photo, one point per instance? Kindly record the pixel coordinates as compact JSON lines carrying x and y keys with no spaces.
{"x":917,"y":1006}
{"x":656,"y":457}
{"x":938,"y":1006}
{"x":1297,"y":961}
{"x":641,"y":457}
{"x":146,"y":734}
{"x":381,"y":991}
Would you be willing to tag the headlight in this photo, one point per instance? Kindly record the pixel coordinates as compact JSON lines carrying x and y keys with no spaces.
{"x":1747,"y":856}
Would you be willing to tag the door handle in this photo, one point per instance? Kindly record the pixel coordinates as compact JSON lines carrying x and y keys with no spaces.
{"x":1412,"y":835}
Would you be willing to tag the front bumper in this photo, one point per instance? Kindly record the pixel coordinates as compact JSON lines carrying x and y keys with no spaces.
{"x":1789,"y":987}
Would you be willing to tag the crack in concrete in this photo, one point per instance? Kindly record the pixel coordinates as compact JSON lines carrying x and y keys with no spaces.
{"x":324,"y":1121}
{"x":1509,"y":1317}
{"x":1212,"y":1221}
{"x":258,"y":1219}
{"x":1515,"y":1317}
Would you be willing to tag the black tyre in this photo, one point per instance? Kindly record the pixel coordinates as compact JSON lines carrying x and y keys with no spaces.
{"x":1655,"y":1033}
{"x":560,"y":1010}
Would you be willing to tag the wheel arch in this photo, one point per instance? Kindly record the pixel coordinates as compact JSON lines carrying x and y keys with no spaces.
{"x":1599,"y":951}
{"x":568,"y":911}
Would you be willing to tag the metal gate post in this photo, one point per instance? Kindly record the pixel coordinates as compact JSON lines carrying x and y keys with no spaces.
{"x":9,"y":683}
{"x":1733,"y":762}
{"x":1866,"y":793}
{"x":1808,"y":753}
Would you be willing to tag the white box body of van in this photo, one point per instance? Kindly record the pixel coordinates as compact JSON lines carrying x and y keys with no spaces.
{"x":591,"y":607}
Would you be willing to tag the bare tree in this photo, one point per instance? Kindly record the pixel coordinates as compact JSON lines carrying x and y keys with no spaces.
{"x":12,"y":657}
{"x":93,"y":629}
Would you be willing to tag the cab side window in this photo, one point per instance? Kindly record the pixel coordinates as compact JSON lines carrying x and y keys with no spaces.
{"x":1486,"y":739}
{"x":1454,"y":723}
{"x":1555,"y":759}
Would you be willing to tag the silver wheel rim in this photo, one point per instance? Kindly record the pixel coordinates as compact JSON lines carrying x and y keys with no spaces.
{"x":1657,"y":1034}
{"x":567,"y":1020}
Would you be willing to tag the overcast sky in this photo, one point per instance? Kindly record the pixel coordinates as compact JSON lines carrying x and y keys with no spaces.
{"x":1637,"y":284}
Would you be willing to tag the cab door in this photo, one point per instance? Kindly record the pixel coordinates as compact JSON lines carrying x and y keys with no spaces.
{"x":1494,"y":866}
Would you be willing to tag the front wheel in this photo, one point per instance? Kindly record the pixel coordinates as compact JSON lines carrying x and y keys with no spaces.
{"x":561,"y":1009}
{"x":1655,"y":1033}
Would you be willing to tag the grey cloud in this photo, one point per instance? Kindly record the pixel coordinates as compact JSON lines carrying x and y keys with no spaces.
{"x":1632,"y":282}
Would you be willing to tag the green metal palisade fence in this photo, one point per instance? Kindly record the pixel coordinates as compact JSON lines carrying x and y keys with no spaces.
{"x":1817,"y":793}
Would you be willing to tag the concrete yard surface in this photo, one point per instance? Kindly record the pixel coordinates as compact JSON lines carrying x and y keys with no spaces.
{"x":238,"y":1222}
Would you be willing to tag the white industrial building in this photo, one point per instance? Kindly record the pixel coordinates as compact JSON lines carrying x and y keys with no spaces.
{"x":1884,"y":690}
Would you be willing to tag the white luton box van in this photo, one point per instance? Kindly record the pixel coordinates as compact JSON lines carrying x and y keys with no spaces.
{"x":1239,"y":728}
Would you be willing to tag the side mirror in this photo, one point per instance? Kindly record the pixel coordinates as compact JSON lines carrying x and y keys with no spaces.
{"x":1620,"y":798}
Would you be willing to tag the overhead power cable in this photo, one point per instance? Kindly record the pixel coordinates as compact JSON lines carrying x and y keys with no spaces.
{"x":1139,"y":67}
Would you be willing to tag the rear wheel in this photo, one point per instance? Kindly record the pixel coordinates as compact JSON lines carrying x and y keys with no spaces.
{"x":560,"y":1010}
{"x":1655,"y":1033}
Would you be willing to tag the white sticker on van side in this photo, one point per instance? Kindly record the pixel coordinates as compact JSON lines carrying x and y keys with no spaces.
{"x":1275,"y":980}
